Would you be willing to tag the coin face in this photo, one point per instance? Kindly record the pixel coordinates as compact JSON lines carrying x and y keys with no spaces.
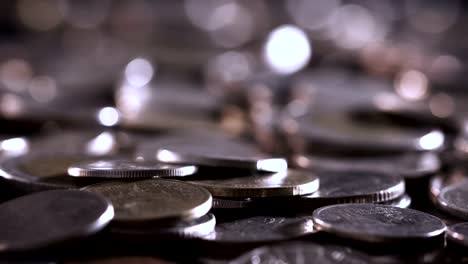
{"x":153,"y":200}
{"x":44,"y":170}
{"x":356,"y":187}
{"x":288,"y":183}
{"x":214,"y":151}
{"x":458,"y":234}
{"x":45,"y":218}
{"x":454,"y":200}
{"x":377,"y":223}
{"x":128,"y":169}
{"x":198,"y":227}
{"x":262,"y":229}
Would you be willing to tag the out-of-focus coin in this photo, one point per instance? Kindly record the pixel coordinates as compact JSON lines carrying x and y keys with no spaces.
{"x":44,"y":170}
{"x":355,"y":187}
{"x":454,"y":200}
{"x":403,"y":202}
{"x":262,"y":229}
{"x":340,"y":132}
{"x":255,"y":185}
{"x":458,"y":234}
{"x":154,"y":200}
{"x":45,"y":218}
{"x":129,"y":169}
{"x":212,"y":152}
{"x":411,"y":165}
{"x":198,"y":227}
{"x":377,"y":223}
{"x":442,"y":180}
{"x":302,"y":252}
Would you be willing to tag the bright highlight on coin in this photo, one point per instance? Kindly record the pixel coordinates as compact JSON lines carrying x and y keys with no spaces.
{"x":458,"y":234}
{"x":154,"y":200}
{"x":128,"y":169}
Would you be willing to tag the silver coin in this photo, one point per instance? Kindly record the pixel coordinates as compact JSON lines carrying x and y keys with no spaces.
{"x":402,"y":202}
{"x":458,"y":234}
{"x":442,"y":180}
{"x":411,"y":165}
{"x":454,"y":200}
{"x":377,"y":223}
{"x":198,"y":227}
{"x":214,"y":151}
{"x":222,"y":203}
{"x":149,"y":201}
{"x":302,"y":252}
{"x":288,"y":183}
{"x":128,"y":169}
{"x":262,"y":229}
{"x":355,"y":187}
{"x":45,"y":218}
{"x":339,"y":131}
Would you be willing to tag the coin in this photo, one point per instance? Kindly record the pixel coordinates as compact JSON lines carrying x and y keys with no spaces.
{"x":377,"y":223}
{"x":214,"y":151}
{"x":45,"y":218}
{"x":262,"y":229}
{"x":354,"y":187}
{"x":403,"y":202}
{"x":303,"y":252}
{"x":255,"y":185}
{"x":198,"y":227}
{"x":123,"y":260}
{"x":453,"y":200}
{"x":128,"y":169}
{"x":458,"y":234}
{"x":44,"y":170}
{"x":153,"y":200}
{"x":340,"y":133}
{"x":232,"y":203}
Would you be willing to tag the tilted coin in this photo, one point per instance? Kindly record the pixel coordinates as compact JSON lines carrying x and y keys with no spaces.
{"x":411,"y":165}
{"x":262,"y":229}
{"x":198,"y":227}
{"x":302,"y":252}
{"x":340,"y":132}
{"x":355,"y":187}
{"x":153,"y":200}
{"x":453,"y":199}
{"x":211,"y":152}
{"x":128,"y":169}
{"x":44,"y":170}
{"x":45,"y":218}
{"x":377,"y":223}
{"x":442,"y":180}
{"x":255,"y":185}
{"x":458,"y":234}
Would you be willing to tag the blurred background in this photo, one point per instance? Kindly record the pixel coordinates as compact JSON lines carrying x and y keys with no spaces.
{"x":233,"y":65}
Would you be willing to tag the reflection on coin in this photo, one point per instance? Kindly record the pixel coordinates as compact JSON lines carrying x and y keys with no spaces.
{"x":288,"y":183}
{"x":409,"y":165}
{"x":232,"y":203}
{"x":45,"y":218}
{"x":213,"y":152}
{"x":402,"y":202}
{"x":458,"y":234}
{"x":302,"y":252}
{"x":355,"y":187}
{"x":262,"y":229}
{"x":152,"y":200}
{"x":343,"y":133}
{"x":454,"y":200}
{"x":377,"y":223}
{"x":43,"y":170}
{"x":181,"y":229}
{"x":128,"y":169}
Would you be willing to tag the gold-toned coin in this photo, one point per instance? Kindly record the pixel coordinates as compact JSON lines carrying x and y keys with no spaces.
{"x":252,"y":185}
{"x":154,"y":200}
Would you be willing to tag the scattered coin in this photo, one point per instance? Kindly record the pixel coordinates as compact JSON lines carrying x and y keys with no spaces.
{"x":253,"y":185}
{"x":46,"y":218}
{"x":262,"y":229}
{"x":458,"y":234}
{"x":355,"y":187}
{"x":377,"y":223}
{"x":453,"y":200}
{"x":128,"y":169}
{"x":146,"y":201}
